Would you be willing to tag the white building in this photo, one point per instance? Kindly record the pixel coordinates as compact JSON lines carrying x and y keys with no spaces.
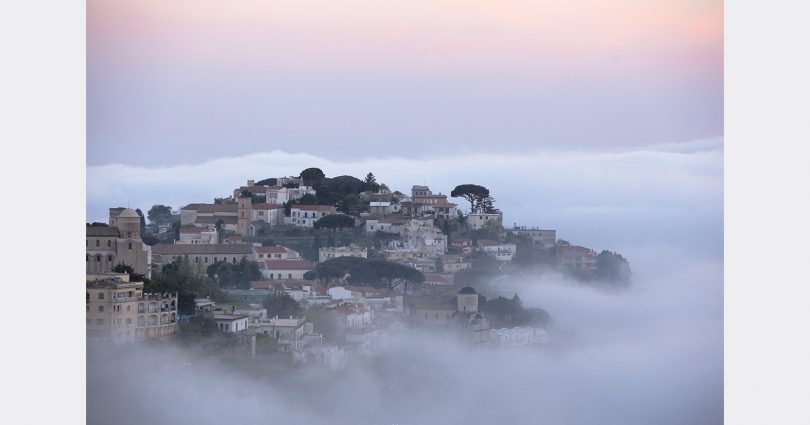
{"x":385,"y":224}
{"x":543,"y":237}
{"x":231,"y":322}
{"x":285,"y":269}
{"x":478,"y":220}
{"x":502,"y":252}
{"x":328,"y":253}
{"x":197,"y":235}
{"x":275,"y":253}
{"x":517,"y":337}
{"x":270,"y":213}
{"x":307,"y":215}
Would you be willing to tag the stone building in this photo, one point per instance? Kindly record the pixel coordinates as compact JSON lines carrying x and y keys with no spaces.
{"x":105,"y":247}
{"x":118,"y":310}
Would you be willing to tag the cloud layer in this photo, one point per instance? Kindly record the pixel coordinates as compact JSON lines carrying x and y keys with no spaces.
{"x":669,"y":194}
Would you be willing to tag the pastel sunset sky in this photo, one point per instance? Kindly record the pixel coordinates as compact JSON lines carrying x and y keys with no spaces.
{"x":194,"y":80}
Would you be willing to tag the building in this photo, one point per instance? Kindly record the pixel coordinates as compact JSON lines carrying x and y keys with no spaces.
{"x":118,"y":310}
{"x":459,"y":313}
{"x":385,"y":224}
{"x":501,"y":252}
{"x":518,"y":337}
{"x":200,"y":256}
{"x":477,"y":220}
{"x":328,"y":253}
{"x":227,"y":322}
{"x":272,"y":214}
{"x":422,"y":235}
{"x":285,"y":269}
{"x":452,"y":263}
{"x":577,"y":257}
{"x":275,"y":253}
{"x":197,"y":235}
{"x":205,"y":215}
{"x":287,"y":332}
{"x":107,"y":247}
{"x":307,"y":215}
{"x":250,"y":189}
{"x":542,"y":237}
{"x":244,"y":207}
{"x":380,"y":208}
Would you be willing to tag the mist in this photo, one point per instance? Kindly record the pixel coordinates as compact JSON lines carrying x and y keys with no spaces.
{"x":651,"y":354}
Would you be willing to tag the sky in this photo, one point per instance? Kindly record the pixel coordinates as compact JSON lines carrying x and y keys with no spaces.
{"x":194,"y":80}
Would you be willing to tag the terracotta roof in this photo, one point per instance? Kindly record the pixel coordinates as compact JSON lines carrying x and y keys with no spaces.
{"x":211,"y":208}
{"x":266,"y":206}
{"x":313,"y":207}
{"x":101,"y":231}
{"x":192,"y":229}
{"x":434,"y":277}
{"x":210,"y":249}
{"x":253,"y":189}
{"x":574,"y":249}
{"x":270,"y":250}
{"x":226,"y":219}
{"x":234,"y":238}
{"x":286,"y":264}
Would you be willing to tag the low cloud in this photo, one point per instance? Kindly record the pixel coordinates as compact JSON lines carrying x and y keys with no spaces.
{"x":612,"y":200}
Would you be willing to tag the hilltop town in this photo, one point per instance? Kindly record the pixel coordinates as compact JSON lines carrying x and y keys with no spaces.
{"x":311,"y":270}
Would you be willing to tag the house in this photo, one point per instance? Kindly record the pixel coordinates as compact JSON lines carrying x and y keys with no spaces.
{"x":385,"y":224}
{"x":452,"y":263}
{"x":285,"y":269}
{"x":191,"y":234}
{"x":447,"y":312}
{"x":249,"y":296}
{"x":422,"y":235}
{"x":287,"y":332}
{"x":438,"y":279}
{"x":307,"y":215}
{"x":576,"y":257}
{"x":270,"y":213}
{"x":119,"y":311}
{"x":233,"y":239}
{"x":275,"y":253}
{"x":250,"y":188}
{"x":328,"y":253}
{"x":542,"y":237}
{"x":227,"y":322}
{"x":477,"y":220}
{"x":380,"y":208}
{"x":501,"y":252}
{"x":209,"y":214}
{"x":106,"y":247}
{"x":200,"y":256}
{"x":204,"y":305}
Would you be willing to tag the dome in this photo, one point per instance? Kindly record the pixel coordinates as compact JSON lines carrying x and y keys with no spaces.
{"x":129,"y":213}
{"x":467,"y":290}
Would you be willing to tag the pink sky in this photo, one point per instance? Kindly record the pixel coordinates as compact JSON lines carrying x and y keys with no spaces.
{"x":582,"y":59}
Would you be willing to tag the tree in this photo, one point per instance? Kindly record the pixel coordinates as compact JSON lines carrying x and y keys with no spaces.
{"x":327,"y":273}
{"x":392,"y":275}
{"x":150,"y":239}
{"x":371,"y":183}
{"x":312,"y":176}
{"x":159,"y":214}
{"x":308,"y":199}
{"x":334,"y":221}
{"x":281,"y":304}
{"x":272,"y":181}
{"x":143,"y":221}
{"x":474,"y":194}
{"x":123,"y":268}
{"x":487,"y":205}
{"x":178,"y":277}
{"x":612,"y":267}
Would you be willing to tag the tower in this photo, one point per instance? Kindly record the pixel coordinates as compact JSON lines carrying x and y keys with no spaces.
{"x":129,"y":224}
{"x":245,"y":208}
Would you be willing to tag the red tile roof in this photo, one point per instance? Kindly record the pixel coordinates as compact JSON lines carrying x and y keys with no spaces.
{"x":286,"y":265}
{"x":211,"y":208}
{"x":226,"y":219}
{"x":101,"y":231}
{"x":270,"y":250}
{"x":314,"y":207}
{"x":192,"y":229}
{"x":202,"y":249}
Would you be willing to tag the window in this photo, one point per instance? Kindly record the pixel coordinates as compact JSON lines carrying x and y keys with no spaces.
{"x":128,"y":307}
{"x":97,"y":242}
{"x":99,"y":321}
{"x":289,"y":275}
{"x":109,"y":243}
{"x":101,"y":309}
{"x":87,"y":257}
{"x":129,"y":321}
{"x":140,"y":308}
{"x":109,"y":258}
{"x":234,"y":260}
{"x":206,"y":260}
{"x":101,"y":295}
{"x":98,"y":258}
{"x":130,"y":245}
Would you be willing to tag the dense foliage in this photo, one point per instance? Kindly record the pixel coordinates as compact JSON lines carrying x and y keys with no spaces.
{"x":178,"y":277}
{"x":239,"y":275}
{"x":282,"y":305}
